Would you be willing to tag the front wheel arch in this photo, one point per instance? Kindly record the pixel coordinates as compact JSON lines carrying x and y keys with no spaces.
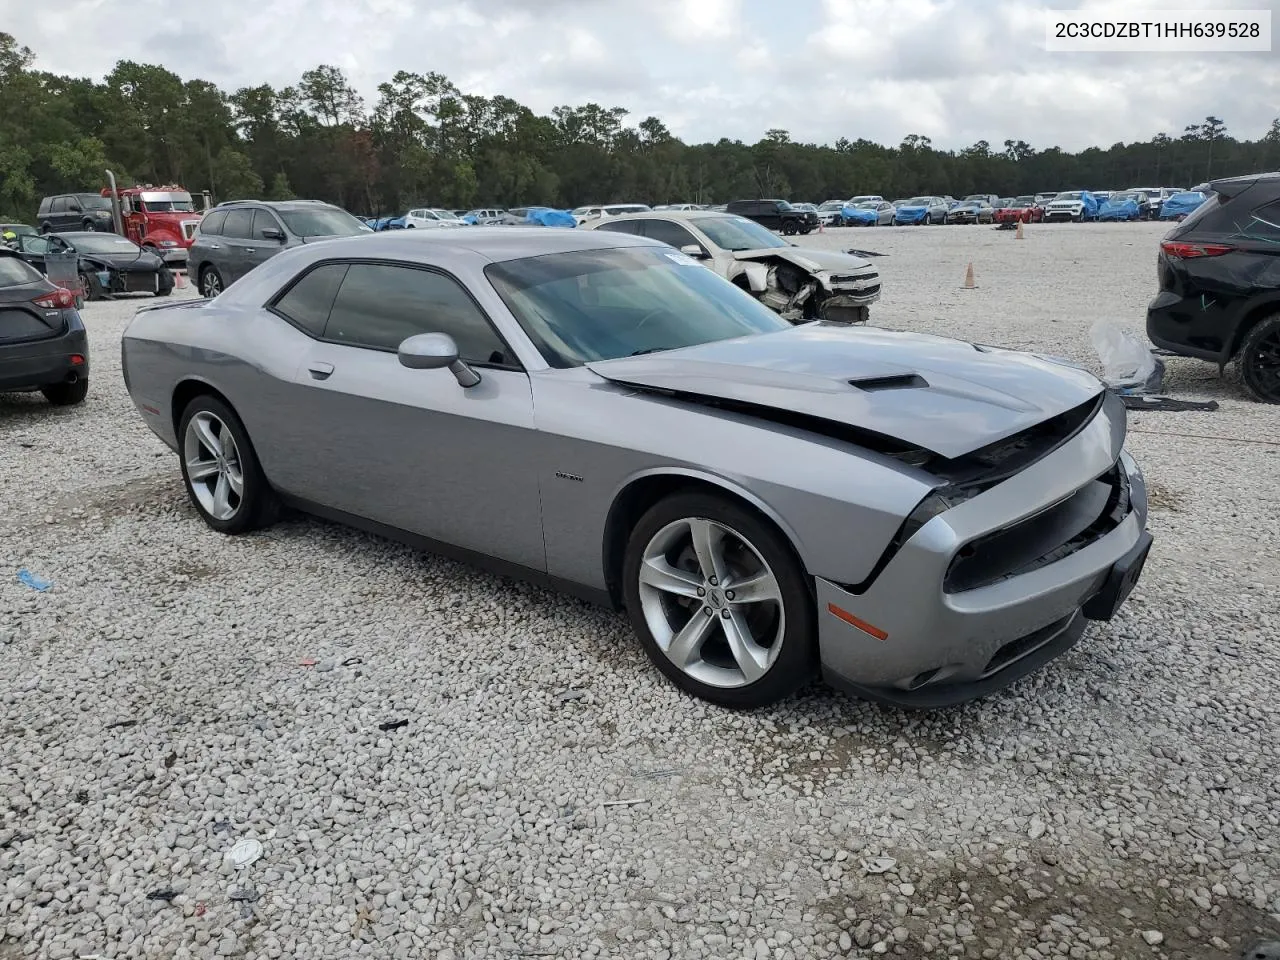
{"x":638,"y":494}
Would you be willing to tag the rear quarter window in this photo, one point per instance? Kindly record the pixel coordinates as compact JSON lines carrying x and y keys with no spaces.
{"x":308,"y":303}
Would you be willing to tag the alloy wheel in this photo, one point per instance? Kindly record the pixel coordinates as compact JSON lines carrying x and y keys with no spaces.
{"x":214,"y":470}
{"x":212,"y":283}
{"x":711,"y":602}
{"x":1264,"y":363}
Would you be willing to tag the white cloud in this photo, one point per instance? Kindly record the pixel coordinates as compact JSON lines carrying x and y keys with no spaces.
{"x":954,"y":70}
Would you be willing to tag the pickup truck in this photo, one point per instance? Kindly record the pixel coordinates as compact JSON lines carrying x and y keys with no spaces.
{"x":777,"y":215}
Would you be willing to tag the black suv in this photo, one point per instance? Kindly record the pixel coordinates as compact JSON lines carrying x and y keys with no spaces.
{"x":1219,"y":272}
{"x":776,"y":215}
{"x":75,"y":211}
{"x":236,"y":236}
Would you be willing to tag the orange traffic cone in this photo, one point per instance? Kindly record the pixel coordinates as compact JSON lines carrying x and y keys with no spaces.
{"x":968,"y":277}
{"x":1019,"y":229}
{"x":181,"y":279}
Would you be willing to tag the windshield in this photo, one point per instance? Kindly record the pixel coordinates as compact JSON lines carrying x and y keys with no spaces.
{"x":1020,"y":202}
{"x":626,"y":208}
{"x":1120,"y":197}
{"x":169,"y":206}
{"x":445,"y":214}
{"x":1070,"y":195}
{"x":322,"y":222}
{"x":739,"y":233}
{"x":592,"y":305}
{"x":869,"y":204}
{"x":104,"y":243}
{"x":919,"y":202}
{"x":832,"y":205}
{"x":975,"y":199}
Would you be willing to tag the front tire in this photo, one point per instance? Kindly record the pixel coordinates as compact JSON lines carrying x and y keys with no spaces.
{"x":720,"y":602}
{"x":88,"y":226}
{"x":66,"y":394}
{"x":1259,"y":360}
{"x":220,"y":469}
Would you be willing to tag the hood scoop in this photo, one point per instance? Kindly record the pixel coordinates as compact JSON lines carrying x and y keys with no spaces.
{"x":902,"y":381}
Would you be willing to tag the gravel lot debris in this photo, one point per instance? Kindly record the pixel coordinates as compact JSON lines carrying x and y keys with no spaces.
{"x":1123,"y":802}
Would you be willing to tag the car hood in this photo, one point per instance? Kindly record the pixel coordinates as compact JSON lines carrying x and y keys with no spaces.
{"x":906,"y":209}
{"x":807,"y":258}
{"x":945,"y":396}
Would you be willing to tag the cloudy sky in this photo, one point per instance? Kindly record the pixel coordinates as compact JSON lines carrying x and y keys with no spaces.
{"x":954,"y":70}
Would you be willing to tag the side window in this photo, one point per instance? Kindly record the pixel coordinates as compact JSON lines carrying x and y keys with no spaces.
{"x":59,"y":205}
{"x":1265,"y":221}
{"x":621,"y":226}
{"x":308,"y":302}
{"x":239,"y":224}
{"x":669,"y":232}
{"x":211,"y":224}
{"x":264,"y":220}
{"x":379,"y":305}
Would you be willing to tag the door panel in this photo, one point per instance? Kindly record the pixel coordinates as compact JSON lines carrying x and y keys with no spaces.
{"x":415,"y":450}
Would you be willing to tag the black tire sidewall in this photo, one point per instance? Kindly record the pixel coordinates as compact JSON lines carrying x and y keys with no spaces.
{"x":1248,"y":353}
{"x":66,"y":394}
{"x":797,"y":661}
{"x":257,"y":504}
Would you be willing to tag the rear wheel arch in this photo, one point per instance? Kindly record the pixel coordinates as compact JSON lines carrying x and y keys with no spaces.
{"x":188,"y":390}
{"x":634,"y":500}
{"x":1252,"y":316}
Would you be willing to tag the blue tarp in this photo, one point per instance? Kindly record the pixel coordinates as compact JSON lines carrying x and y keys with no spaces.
{"x":854,"y":214}
{"x":1181,"y":204}
{"x":1126,"y":209}
{"x":909,"y":214}
{"x":547,"y":217}
{"x":387,"y":223}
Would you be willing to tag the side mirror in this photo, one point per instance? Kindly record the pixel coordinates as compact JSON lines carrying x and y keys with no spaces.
{"x":695,"y":251}
{"x":271,"y":233}
{"x":433,"y":351}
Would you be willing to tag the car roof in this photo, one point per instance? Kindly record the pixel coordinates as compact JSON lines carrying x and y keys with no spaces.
{"x":692,"y":215}
{"x":81,"y":234}
{"x":491,"y":243}
{"x":275,"y":204}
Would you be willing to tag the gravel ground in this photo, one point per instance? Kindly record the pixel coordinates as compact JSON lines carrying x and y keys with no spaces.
{"x":548,"y":794}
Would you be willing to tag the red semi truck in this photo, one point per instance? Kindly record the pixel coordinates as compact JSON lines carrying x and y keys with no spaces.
{"x":162,"y":219}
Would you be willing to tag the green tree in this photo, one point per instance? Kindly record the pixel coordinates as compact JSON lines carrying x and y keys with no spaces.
{"x":234,"y":177}
{"x":280,"y":189}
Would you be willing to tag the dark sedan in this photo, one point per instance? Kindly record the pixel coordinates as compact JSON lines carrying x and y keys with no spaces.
{"x":105,"y":262}
{"x":43,"y":345}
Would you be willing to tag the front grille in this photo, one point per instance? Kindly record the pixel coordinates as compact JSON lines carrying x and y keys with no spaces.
{"x":1068,"y":526}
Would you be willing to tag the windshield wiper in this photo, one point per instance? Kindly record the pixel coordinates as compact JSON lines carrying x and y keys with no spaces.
{"x":640,"y":353}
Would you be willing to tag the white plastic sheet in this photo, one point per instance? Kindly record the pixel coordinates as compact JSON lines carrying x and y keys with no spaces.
{"x":1128,"y":365}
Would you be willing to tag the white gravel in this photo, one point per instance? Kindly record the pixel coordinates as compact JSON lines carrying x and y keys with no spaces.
{"x":155,"y":710}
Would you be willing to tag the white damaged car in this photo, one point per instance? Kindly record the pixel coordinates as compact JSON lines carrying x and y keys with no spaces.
{"x":798,"y":283}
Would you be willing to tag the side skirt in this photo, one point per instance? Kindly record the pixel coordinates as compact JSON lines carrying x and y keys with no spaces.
{"x":494,"y":565}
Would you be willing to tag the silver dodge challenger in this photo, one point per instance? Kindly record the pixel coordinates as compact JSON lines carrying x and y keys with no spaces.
{"x":918,"y":520}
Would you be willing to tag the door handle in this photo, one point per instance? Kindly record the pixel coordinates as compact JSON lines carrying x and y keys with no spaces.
{"x":320,"y":371}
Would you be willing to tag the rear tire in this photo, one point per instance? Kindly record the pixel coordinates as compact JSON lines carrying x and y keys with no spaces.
{"x":678,"y":547}
{"x":66,"y":394}
{"x":210,"y":282}
{"x":208,"y":423}
{"x":88,"y":226}
{"x":92,"y":288}
{"x":1259,"y":360}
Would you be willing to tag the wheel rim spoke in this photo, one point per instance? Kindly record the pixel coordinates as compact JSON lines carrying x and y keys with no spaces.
{"x":685,"y":648}
{"x":206,"y":435}
{"x":659,"y":574}
{"x":707,"y":539}
{"x":761,"y":588}
{"x":751,"y":658}
{"x":201,"y":469}
{"x":222,"y":497}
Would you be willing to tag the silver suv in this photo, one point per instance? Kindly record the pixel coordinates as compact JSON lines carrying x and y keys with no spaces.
{"x":236,"y":236}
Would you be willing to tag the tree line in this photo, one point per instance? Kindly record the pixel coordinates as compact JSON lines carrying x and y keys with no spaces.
{"x":425,"y":142}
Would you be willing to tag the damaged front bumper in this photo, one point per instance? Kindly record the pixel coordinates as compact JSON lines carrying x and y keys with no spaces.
{"x":914,"y":637}
{"x":840,"y":299}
